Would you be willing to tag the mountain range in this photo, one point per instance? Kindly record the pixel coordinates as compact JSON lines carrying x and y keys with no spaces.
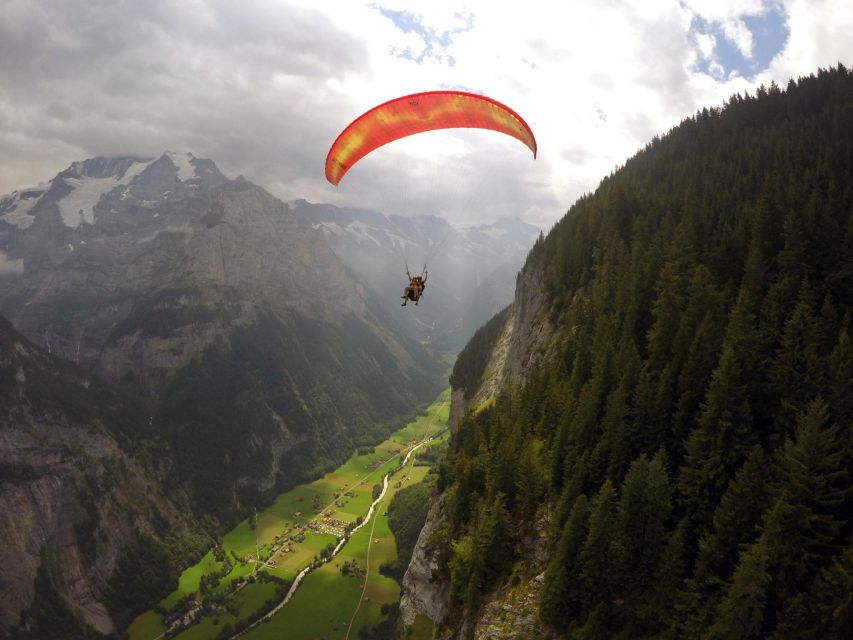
{"x":652,"y":440}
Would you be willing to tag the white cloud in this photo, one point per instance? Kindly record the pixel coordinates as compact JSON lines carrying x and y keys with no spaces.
{"x":821,"y":36}
{"x":706,"y":42}
{"x":726,"y":10}
{"x":263,"y":88}
{"x":738,"y":34}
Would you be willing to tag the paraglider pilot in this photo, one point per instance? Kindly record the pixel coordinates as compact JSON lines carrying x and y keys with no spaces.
{"x":415,"y":287}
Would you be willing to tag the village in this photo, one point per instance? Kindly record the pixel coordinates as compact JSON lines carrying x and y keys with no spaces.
{"x":323,"y":523}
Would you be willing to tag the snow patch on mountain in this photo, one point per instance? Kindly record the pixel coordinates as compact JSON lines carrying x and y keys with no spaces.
{"x":16,"y":206}
{"x":400,"y":242}
{"x":493,"y":232}
{"x":79,"y":205}
{"x":329,"y":228}
{"x":183,"y":229}
{"x":183,"y":163}
{"x":132,"y":171}
{"x":362,"y":232}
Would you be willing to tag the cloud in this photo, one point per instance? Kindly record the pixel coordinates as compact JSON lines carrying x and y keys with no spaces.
{"x":9,"y":267}
{"x":738,"y":34}
{"x":264,"y":87}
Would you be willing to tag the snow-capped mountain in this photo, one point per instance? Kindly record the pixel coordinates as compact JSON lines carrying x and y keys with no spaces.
{"x":93,"y":188}
{"x":471,"y":270}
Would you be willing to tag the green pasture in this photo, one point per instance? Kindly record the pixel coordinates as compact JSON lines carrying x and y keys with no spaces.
{"x":357,"y":505}
{"x":326,"y":600}
{"x":208,"y":628}
{"x":148,"y":625}
{"x":321,"y":607}
{"x":248,"y":599}
{"x":435,"y":419}
{"x":190,"y":579}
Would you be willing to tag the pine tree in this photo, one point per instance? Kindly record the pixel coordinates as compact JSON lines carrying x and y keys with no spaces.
{"x":561,"y":595}
{"x":736,"y":519}
{"x":742,"y":612}
{"x":794,"y":372}
{"x":718,"y":445}
{"x":735,"y":524}
{"x":840,"y":373}
{"x":814,"y":481}
{"x":798,"y":533}
{"x":644,"y":508}
{"x":827,"y":610}
{"x":602,"y":552}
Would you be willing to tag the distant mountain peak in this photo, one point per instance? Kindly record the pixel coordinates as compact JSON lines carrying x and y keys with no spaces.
{"x":184,"y":162}
{"x":77,"y":190}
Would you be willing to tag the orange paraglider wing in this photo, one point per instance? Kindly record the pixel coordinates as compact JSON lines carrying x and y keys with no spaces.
{"x":419,"y":112}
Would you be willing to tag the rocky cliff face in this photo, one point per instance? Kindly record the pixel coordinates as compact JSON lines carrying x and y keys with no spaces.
{"x":524,"y":340}
{"x":420,"y":594}
{"x":71,"y":495}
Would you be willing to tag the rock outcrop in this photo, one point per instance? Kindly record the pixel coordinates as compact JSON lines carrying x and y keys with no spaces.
{"x":420,"y":593}
{"x":513,"y":613}
{"x":524,"y":340}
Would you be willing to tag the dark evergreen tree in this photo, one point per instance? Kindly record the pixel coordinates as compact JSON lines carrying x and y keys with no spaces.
{"x":562,"y":596}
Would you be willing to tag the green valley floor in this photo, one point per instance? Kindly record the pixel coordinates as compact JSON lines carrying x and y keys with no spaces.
{"x":249,"y":574}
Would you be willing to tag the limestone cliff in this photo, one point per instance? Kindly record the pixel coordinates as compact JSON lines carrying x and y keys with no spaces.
{"x":420,"y":593}
{"x":523,"y":339}
{"x":71,"y":496}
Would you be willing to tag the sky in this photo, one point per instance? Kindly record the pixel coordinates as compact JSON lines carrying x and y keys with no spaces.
{"x":263,"y":87}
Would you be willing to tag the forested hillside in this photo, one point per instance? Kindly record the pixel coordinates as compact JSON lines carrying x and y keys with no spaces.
{"x":689,"y":449}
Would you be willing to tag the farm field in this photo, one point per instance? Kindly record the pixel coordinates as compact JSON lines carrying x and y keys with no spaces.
{"x":291,"y":534}
{"x":327,"y":600}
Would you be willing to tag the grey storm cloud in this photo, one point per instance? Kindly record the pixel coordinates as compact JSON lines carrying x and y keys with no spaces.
{"x":244,"y":87}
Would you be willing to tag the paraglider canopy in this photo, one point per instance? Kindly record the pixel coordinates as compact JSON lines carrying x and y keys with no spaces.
{"x":420,"y":112}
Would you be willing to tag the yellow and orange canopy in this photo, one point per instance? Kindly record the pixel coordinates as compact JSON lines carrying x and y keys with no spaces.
{"x":416,"y":113}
